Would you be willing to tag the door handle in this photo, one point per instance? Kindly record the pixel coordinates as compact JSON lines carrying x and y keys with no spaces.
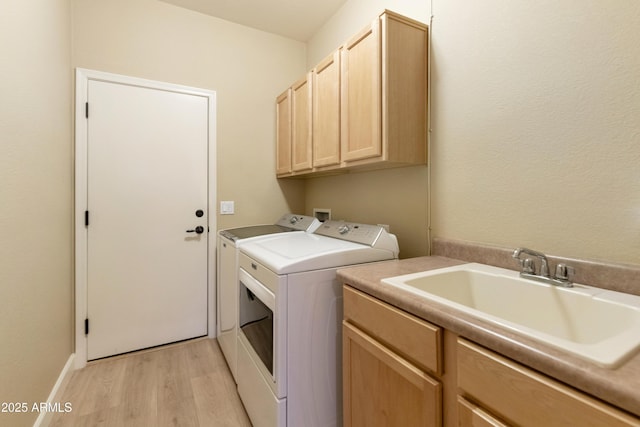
{"x":199,"y":230}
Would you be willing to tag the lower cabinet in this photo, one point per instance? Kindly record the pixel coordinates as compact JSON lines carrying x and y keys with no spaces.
{"x":523,"y":397}
{"x":381,"y":388}
{"x":386,"y":356}
{"x":400,"y":370}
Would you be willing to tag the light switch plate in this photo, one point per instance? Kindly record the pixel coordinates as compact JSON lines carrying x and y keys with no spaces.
{"x":227,"y":207}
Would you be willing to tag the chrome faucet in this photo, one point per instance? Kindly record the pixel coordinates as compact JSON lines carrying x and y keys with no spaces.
{"x":563,"y":271}
{"x":544,"y":263}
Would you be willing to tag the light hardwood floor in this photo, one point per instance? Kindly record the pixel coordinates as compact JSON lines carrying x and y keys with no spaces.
{"x":186,"y":384}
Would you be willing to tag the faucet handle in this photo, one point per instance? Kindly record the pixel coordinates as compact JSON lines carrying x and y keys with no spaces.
{"x":528,"y":266}
{"x":564,"y":272}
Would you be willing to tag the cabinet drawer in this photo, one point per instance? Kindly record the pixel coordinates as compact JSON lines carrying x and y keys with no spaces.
{"x":418,"y":341}
{"x":524,"y":397}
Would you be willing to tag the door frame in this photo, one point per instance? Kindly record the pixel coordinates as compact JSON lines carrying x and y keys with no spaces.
{"x":83,"y":76}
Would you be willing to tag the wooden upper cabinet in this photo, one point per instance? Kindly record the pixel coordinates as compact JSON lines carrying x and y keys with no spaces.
{"x":283,"y":133}
{"x":384,"y":93}
{"x":361,"y":95}
{"x":326,"y":112}
{"x":301,"y":93}
{"x":363,"y":106}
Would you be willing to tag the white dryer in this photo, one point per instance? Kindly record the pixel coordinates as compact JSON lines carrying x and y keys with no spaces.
{"x":289,"y":350}
{"x":228,"y":245}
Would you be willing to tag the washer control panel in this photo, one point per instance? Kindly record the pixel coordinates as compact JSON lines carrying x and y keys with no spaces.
{"x":366,"y":234}
{"x":299,"y":222}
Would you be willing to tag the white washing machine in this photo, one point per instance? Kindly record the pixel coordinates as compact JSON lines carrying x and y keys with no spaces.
{"x":229,"y":242}
{"x":290,"y":348}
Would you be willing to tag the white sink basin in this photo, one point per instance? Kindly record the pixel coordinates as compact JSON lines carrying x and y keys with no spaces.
{"x":595,"y":324}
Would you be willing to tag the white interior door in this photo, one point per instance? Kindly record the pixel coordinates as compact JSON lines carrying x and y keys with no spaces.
{"x":147,"y":174}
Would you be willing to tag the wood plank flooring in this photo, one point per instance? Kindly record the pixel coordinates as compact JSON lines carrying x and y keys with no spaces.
{"x":186,"y":384}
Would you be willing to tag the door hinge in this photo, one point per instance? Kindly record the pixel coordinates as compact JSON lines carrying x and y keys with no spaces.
{"x":86,"y":326}
{"x":86,"y":110}
{"x":86,"y":218}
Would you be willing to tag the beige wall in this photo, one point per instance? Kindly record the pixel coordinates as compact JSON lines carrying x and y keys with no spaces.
{"x":35,"y":200}
{"x":397,"y":197}
{"x":247,"y":68}
{"x":536,"y":129}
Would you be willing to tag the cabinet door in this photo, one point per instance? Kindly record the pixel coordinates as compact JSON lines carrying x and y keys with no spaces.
{"x":301,"y":124}
{"x":326,"y":112}
{"x":283,"y":133}
{"x":383,"y":389}
{"x":404,"y":88}
{"x":361,"y":125}
{"x":470,"y":415}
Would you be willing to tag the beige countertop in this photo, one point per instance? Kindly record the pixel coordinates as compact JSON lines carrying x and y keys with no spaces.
{"x":619,"y":387}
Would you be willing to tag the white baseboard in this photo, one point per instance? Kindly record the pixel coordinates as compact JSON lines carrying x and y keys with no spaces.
{"x":45,"y":417}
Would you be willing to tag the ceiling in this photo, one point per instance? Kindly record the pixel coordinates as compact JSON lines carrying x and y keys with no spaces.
{"x":295,"y":19}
